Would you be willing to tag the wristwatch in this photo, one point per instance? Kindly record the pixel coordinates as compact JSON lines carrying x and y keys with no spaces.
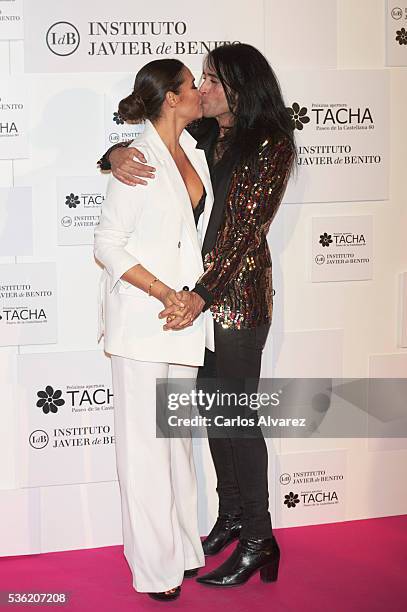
{"x":104,"y":162}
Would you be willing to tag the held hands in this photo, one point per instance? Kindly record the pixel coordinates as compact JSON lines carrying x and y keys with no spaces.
{"x":181,"y":309}
{"x":126,"y":169}
{"x":175,"y":307}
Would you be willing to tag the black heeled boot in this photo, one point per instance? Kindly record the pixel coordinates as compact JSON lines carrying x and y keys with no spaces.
{"x":225,"y":530}
{"x":250,"y":556}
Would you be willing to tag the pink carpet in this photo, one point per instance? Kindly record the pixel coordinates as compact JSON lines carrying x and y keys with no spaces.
{"x":358,"y":566}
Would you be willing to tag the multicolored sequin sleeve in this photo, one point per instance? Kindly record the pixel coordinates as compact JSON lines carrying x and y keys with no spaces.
{"x":252,"y":202}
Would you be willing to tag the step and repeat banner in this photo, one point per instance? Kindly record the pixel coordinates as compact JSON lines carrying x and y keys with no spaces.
{"x":396,"y":33}
{"x":80,"y":200}
{"x":13,"y":126}
{"x":341,"y":121}
{"x":64,"y":70}
{"x":11,"y":20}
{"x":61,"y":38}
{"x":28,"y":310}
{"x":65,"y":429}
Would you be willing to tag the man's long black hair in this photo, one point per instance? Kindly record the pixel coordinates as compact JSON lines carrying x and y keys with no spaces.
{"x":254,"y":96}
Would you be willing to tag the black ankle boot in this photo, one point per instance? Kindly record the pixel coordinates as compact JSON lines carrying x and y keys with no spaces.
{"x":249,"y":557}
{"x":225,"y":530}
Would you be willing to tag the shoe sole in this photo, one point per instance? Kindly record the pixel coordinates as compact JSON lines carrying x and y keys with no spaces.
{"x":167,"y":597}
{"x":222,"y":586}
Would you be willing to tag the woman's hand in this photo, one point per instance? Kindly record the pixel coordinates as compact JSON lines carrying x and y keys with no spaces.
{"x":180,"y":318}
{"x":126,"y":169}
{"x":176,"y":309}
{"x":170,"y":298}
{"x":177,"y":321}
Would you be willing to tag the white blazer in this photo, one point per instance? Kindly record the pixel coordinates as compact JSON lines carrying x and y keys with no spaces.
{"x":153,"y":226}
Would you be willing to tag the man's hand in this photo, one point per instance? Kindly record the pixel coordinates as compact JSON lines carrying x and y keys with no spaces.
{"x":180,"y":318}
{"x":128,"y":170}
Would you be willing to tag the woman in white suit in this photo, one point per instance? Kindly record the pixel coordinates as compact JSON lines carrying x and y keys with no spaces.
{"x":148,"y":243}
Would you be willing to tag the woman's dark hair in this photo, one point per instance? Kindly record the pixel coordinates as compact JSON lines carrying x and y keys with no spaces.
{"x":254,"y":96}
{"x":152,"y":83}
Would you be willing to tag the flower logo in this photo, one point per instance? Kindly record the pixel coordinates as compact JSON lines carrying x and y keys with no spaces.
{"x":298,"y":116}
{"x":401,"y":36}
{"x":117,"y":119}
{"x":325,"y":239}
{"x":291,"y":500}
{"x":72,"y":200}
{"x":49,"y":400}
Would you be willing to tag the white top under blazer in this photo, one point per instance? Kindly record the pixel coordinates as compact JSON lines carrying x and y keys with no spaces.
{"x":153,"y":226}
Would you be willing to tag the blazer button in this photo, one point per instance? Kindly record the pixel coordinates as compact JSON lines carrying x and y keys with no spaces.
{"x":179,"y":244}
{"x":185,"y":288}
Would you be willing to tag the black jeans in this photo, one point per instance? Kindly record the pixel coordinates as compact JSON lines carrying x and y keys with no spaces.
{"x":240,"y":462}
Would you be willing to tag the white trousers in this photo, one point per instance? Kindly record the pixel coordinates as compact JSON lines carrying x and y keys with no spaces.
{"x":157,"y":480}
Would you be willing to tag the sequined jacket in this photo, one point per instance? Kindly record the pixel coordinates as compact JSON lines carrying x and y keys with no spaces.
{"x":238,"y":269}
{"x":237,"y":282}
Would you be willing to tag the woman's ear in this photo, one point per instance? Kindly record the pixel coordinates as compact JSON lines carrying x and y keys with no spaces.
{"x":171,"y":98}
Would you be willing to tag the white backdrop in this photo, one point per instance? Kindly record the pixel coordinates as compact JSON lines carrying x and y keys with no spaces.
{"x":58,"y":90}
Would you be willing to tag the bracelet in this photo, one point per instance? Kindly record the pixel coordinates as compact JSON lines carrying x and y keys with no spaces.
{"x":151,"y":284}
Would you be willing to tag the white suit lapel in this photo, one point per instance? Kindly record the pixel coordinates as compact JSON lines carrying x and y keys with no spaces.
{"x":176,"y":182}
{"x":198,"y":160}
